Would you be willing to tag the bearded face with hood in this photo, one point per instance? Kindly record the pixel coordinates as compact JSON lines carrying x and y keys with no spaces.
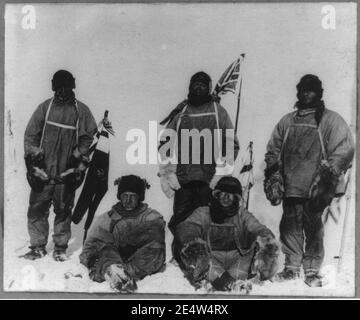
{"x":309,"y":94}
{"x":63,"y":84}
{"x":199,"y":89}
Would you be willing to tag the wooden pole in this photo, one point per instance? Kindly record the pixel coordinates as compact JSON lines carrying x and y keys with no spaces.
{"x":239,"y":95}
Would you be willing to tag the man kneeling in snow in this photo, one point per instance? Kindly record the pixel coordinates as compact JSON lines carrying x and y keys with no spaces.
{"x":224,"y":245}
{"x":127,"y":243}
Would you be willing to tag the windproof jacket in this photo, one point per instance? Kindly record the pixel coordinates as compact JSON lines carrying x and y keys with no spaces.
{"x":58,"y":129}
{"x":236,"y":233}
{"x":296,"y":141}
{"x":199,"y":164}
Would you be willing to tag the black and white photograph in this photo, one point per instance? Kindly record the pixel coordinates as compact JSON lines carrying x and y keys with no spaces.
{"x":180,"y":149}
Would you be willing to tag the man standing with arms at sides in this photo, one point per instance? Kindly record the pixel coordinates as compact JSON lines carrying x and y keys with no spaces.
{"x":57,"y":141}
{"x":308,"y":151}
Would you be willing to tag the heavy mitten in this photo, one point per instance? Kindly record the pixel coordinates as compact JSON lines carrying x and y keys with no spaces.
{"x":168,"y":179}
{"x":241,"y":286}
{"x":323,"y":188}
{"x":274,"y":185}
{"x":74,"y":176}
{"x":266,"y":258}
{"x":118,"y":279}
{"x":36,"y":175}
{"x":224,"y":282}
{"x":196,"y":259}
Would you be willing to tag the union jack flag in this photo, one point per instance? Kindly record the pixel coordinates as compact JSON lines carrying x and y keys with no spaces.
{"x":229,"y":79}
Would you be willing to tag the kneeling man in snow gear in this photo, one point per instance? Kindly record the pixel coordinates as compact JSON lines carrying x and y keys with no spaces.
{"x":310,"y":148}
{"x":126,"y":243}
{"x":57,"y":140}
{"x":224,"y":244}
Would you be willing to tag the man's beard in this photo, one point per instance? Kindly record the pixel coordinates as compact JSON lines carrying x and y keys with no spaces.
{"x":218,"y":213}
{"x":64,"y":97}
{"x":318,"y":105}
{"x":196,"y":100}
{"x":122,"y":210}
{"x":313,"y":104}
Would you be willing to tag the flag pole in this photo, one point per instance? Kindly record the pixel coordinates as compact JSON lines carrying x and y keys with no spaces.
{"x":248,"y":184}
{"x":239,"y":95}
{"x":344,"y":228}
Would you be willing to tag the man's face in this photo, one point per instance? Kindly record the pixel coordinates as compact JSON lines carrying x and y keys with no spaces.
{"x":199,"y":89}
{"x":64,"y":94}
{"x":225,"y":199}
{"x":129,"y":200}
{"x":307,"y":96}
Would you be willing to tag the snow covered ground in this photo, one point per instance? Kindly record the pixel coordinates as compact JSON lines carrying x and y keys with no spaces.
{"x":69,"y":276}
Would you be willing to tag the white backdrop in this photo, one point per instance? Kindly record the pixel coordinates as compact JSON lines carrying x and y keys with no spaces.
{"x":136,"y":60}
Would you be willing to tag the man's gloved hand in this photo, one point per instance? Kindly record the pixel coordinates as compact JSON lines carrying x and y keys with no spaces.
{"x":169,"y":184}
{"x":241,"y":286}
{"x":36,"y":175}
{"x":323,"y":188}
{"x":224,"y":283}
{"x":266,"y":258}
{"x":196,"y":258}
{"x":78,"y":161}
{"x":91,"y":264}
{"x":118,"y":279}
{"x":74,"y":176}
{"x":40,"y":173}
{"x":168,"y":179}
{"x":274,"y":185}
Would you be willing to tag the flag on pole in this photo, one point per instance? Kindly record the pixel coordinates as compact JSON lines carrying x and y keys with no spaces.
{"x":96,"y":181}
{"x":230,"y":78}
{"x":228,"y":83}
{"x":243,"y":171}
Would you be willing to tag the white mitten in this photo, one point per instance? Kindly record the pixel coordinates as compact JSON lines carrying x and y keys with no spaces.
{"x":115,"y":274}
{"x":169,"y":185}
{"x":165,"y":187}
{"x":241,"y":286}
{"x":168,"y":179}
{"x":173,"y":181}
{"x":40,"y":173}
{"x":266,"y":258}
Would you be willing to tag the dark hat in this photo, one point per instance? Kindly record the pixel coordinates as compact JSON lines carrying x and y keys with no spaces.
{"x":62,"y":79}
{"x":201,"y":77}
{"x":132,"y":183}
{"x":229,"y":184}
{"x":312,"y":83}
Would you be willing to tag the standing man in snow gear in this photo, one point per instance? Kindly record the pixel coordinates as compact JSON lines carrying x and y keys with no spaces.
{"x":309,"y":150}
{"x":190,"y":181}
{"x":57,"y":140}
{"x":126,"y":243}
{"x":224,"y":244}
